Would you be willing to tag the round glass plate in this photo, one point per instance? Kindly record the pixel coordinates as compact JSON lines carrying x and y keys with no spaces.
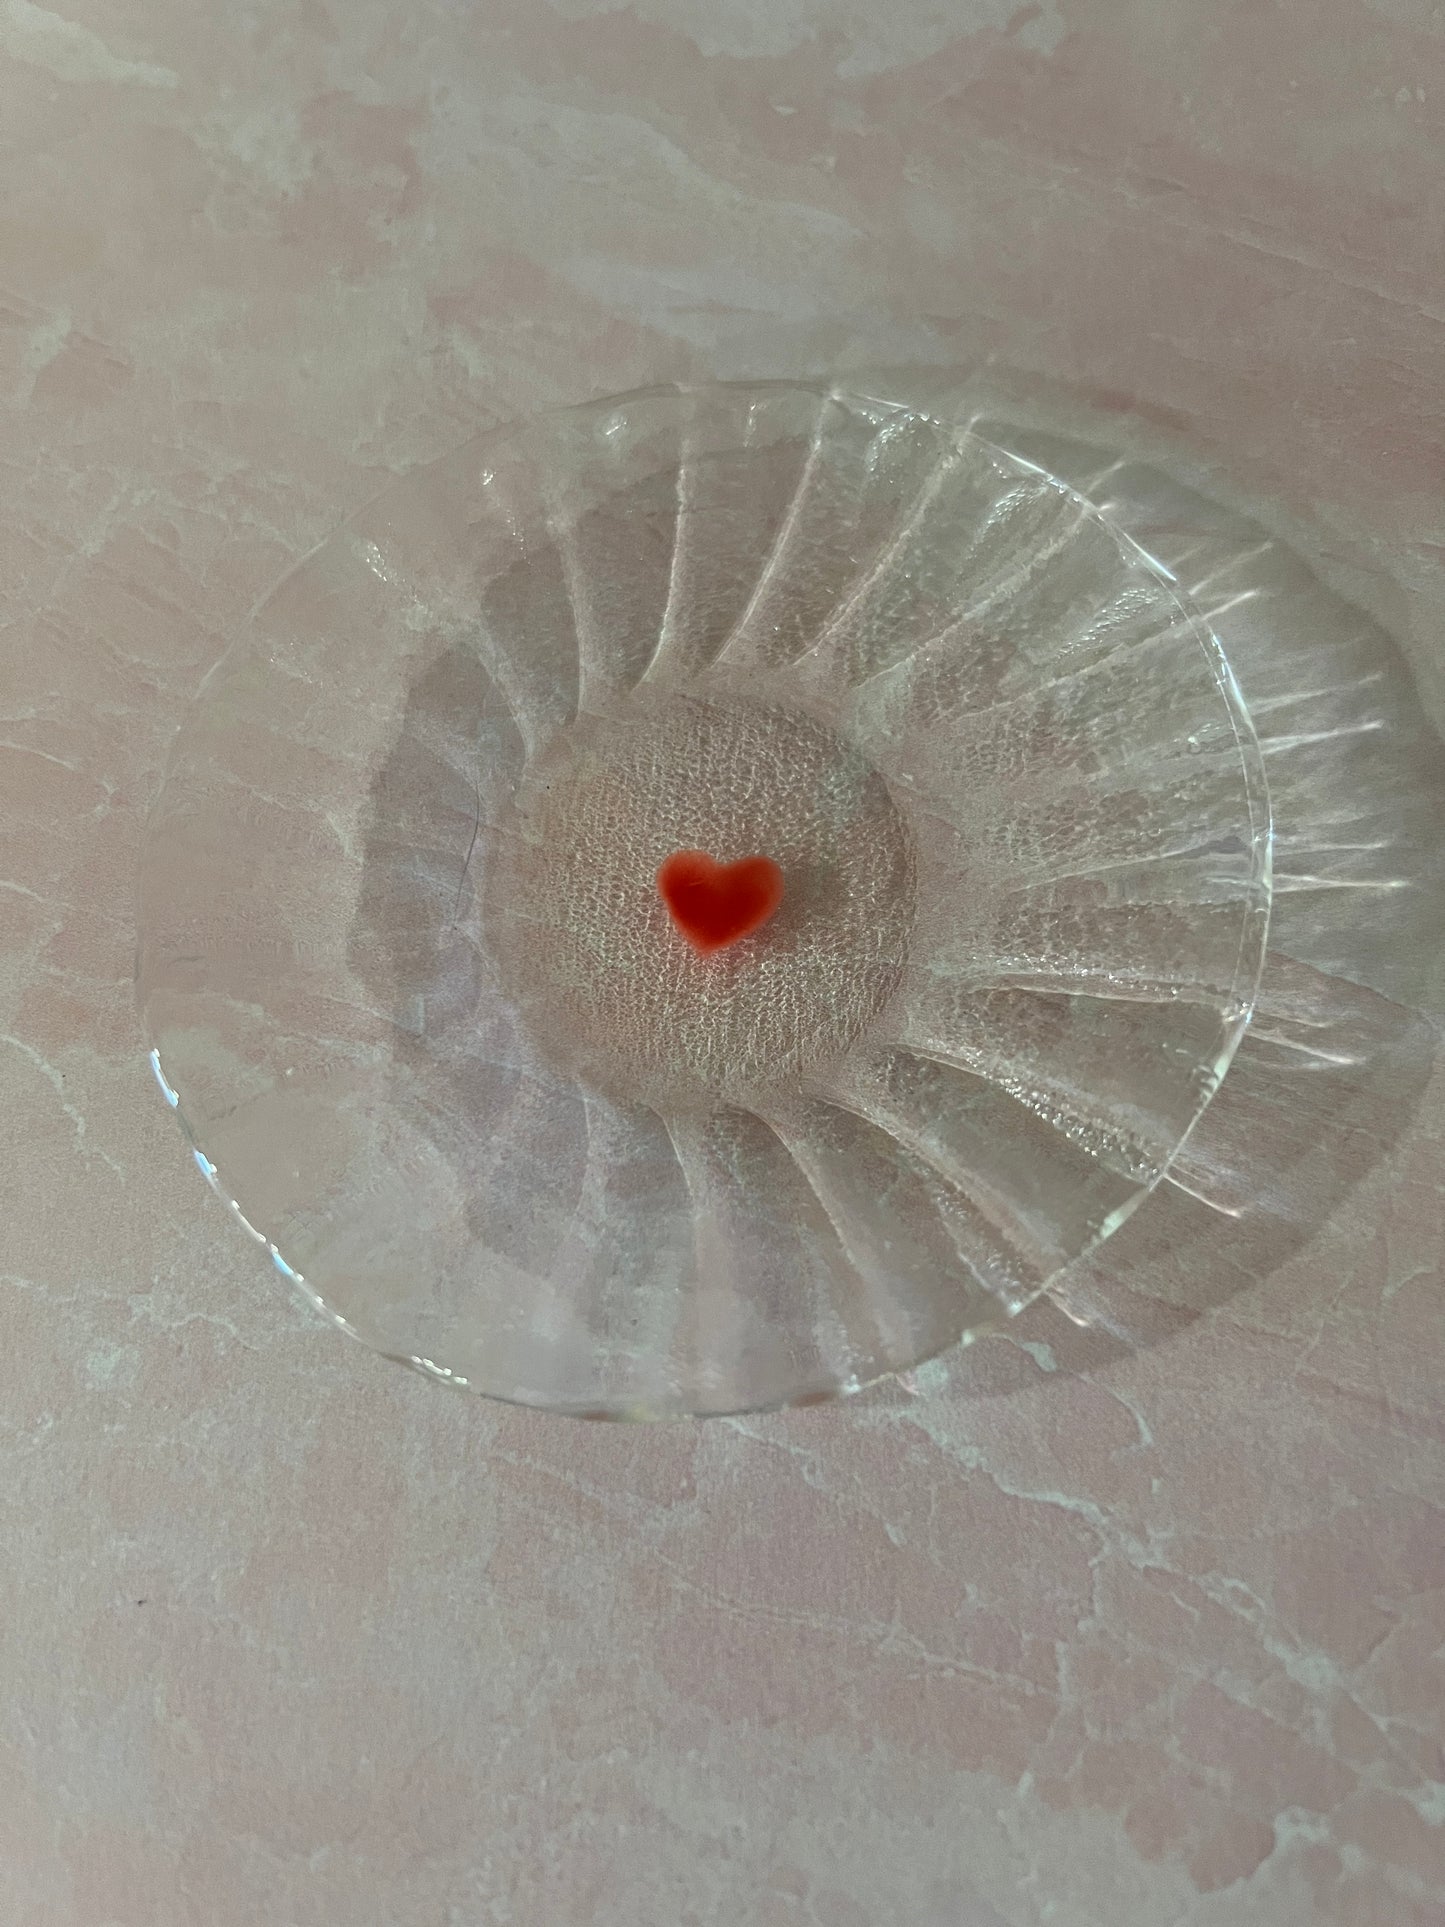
{"x":412,"y":988}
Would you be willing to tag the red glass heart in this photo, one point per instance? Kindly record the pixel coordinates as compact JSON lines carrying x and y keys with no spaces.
{"x":714,"y":904}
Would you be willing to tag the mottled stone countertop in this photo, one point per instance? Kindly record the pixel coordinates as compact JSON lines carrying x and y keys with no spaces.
{"x":1137,"y":1623}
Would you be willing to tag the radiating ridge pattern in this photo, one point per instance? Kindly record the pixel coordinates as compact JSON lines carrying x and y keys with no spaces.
{"x":405,"y":968}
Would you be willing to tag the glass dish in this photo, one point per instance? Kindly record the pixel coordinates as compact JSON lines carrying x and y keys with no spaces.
{"x":410,"y":986}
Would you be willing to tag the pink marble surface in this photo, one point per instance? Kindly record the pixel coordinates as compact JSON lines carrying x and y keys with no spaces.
{"x":1068,"y":1630}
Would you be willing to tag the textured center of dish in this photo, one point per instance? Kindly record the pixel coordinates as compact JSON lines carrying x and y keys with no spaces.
{"x":590,"y":951}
